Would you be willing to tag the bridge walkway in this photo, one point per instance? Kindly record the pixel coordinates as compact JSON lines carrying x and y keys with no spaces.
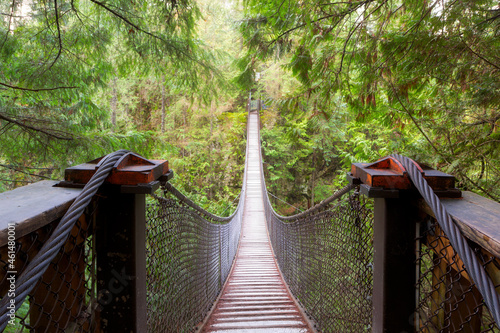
{"x":255,"y":297}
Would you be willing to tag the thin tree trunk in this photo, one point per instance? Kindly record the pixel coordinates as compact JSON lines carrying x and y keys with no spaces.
{"x":114,"y":102}
{"x":163,"y":102}
{"x":211,"y":145}
{"x":184,"y":114}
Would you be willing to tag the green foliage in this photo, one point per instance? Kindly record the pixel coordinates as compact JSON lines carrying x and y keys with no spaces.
{"x":80,"y":79}
{"x":415,"y":77}
{"x":209,"y":166}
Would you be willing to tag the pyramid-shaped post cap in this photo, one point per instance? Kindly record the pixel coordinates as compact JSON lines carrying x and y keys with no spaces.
{"x":130,"y":169}
{"x":389,"y":173}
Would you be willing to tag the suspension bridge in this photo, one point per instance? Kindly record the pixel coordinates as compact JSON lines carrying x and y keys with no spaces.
{"x":397,"y":250}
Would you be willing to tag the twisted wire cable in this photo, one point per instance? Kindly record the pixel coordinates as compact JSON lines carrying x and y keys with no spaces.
{"x":311,"y":211}
{"x":457,"y":240}
{"x":207,"y":215}
{"x":322,"y":205}
{"x":37,"y":267}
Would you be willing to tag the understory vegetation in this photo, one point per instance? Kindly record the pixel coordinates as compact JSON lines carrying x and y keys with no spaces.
{"x":341,"y":82}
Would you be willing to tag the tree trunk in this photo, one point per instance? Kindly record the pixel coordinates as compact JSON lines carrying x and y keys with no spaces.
{"x":211,"y":145}
{"x":184,"y":114}
{"x":114,"y":102}
{"x":163,"y":102}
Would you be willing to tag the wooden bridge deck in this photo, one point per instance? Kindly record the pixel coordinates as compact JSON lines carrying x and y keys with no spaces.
{"x":255,"y":298}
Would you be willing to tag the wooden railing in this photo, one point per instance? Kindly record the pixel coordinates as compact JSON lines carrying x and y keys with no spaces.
{"x":420,"y":281}
{"x":94,"y":280}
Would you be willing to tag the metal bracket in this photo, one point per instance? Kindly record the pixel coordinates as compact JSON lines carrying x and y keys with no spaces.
{"x":166,"y":177}
{"x":378,"y":192}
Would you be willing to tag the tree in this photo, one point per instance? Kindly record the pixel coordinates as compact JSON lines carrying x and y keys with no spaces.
{"x":427,"y":70}
{"x":57,"y":54}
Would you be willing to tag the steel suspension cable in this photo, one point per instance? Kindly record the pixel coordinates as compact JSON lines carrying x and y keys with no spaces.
{"x":37,"y":267}
{"x":322,"y":205}
{"x":185,"y":200}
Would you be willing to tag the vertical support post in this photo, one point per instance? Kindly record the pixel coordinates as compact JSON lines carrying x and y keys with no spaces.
{"x":220,"y":260}
{"x":120,"y":238}
{"x":396,"y":218}
{"x":394,"y":266}
{"x":121,"y":260}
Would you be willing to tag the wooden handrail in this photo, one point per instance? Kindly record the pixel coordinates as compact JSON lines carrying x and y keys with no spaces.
{"x":33,"y":206}
{"x":477,"y":217}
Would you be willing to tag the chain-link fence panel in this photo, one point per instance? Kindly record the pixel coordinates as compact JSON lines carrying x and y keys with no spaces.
{"x":326,"y":256}
{"x":189,"y":256}
{"x":449,"y":300}
{"x":64,"y":299}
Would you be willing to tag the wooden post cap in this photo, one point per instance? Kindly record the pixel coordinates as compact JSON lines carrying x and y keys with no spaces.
{"x":389,"y":174}
{"x":130,"y":169}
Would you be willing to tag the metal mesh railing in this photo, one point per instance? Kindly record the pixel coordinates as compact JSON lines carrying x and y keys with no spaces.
{"x":64,"y":299}
{"x":326,"y":258}
{"x":449,"y":300}
{"x":189,"y":256}
{"x":190,"y":253}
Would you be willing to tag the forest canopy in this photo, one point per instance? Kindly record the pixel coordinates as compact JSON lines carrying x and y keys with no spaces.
{"x":80,"y":79}
{"x":417,"y":77}
{"x":341,"y":81}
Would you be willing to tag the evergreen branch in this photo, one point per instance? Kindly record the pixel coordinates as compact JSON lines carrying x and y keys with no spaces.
{"x":36,"y":129}
{"x":422,"y":17}
{"x":10,"y":23}
{"x":73,"y":8}
{"x":413,"y":118}
{"x":493,"y":18}
{"x":10,"y":167}
{"x":279,"y":8}
{"x":58,"y":36}
{"x":170,"y":44}
{"x":351,"y":32}
{"x":298,"y":27}
{"x":463,"y":174}
{"x":350,"y":10}
{"x":124,"y":19}
{"x":478,"y":55}
{"x":10,"y":15}
{"x":344,"y":50}
{"x":35,"y":90}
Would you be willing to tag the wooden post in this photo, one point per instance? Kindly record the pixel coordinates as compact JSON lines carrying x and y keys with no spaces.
{"x":395,"y":223}
{"x":120,"y":238}
{"x":455,"y":299}
{"x":121,"y":261}
{"x":394,"y":266}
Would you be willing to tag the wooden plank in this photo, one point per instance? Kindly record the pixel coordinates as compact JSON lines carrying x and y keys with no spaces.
{"x":33,"y":206}
{"x":477,"y":217}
